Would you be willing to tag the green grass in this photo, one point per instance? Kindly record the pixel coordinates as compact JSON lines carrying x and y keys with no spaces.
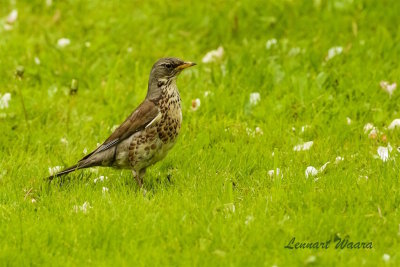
{"x":215,"y":165}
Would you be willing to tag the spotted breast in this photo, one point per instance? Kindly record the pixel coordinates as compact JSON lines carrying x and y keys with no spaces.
{"x":151,"y":145}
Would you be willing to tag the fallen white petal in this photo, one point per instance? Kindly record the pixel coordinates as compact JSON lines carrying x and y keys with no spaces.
{"x":383,"y":153}
{"x":311,"y":171}
{"x":4,"y":99}
{"x":271,"y":173}
{"x":304,"y":146}
{"x":37,"y":61}
{"x":270,"y":43}
{"x":323,"y":167}
{"x":12,"y":17}
{"x":54,"y":170}
{"x":64,"y":141}
{"x":338,"y":159}
{"x":348,"y":120}
{"x":395,"y":123}
{"x":334,"y":51}
{"x":368,"y":127}
{"x":63,"y":42}
{"x":213,"y":55}
{"x":386,"y":257}
{"x":104,"y":190}
{"x":387,"y":87}
{"x":255,"y":98}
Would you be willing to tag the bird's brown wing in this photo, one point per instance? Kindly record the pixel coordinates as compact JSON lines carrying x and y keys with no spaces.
{"x":145,"y":114}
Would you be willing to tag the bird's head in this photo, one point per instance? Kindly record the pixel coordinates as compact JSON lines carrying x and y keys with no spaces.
{"x":165,"y":70}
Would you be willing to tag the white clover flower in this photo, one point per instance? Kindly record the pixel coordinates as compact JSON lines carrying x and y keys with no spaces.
{"x":63,"y":42}
{"x":12,"y":17}
{"x":304,"y":146}
{"x":387,"y":87}
{"x":333,"y":52}
{"x":270,"y":43}
{"x":4,"y":99}
{"x":255,"y":98}
{"x":54,"y":170}
{"x":195,"y":104}
{"x":395,"y":124}
{"x":213,"y":55}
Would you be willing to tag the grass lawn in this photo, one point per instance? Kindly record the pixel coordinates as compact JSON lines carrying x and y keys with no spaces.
{"x":291,"y":72}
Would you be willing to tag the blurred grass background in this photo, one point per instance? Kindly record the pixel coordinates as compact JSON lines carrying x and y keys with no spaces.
{"x":221,"y":207}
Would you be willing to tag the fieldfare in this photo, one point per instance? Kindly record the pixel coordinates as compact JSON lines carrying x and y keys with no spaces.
{"x":147,"y":135}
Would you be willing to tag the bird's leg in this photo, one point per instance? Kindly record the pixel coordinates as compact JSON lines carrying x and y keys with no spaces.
{"x":142,"y":172}
{"x":137,"y":178}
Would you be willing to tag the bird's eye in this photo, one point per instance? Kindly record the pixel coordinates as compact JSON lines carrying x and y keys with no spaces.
{"x":168,"y":65}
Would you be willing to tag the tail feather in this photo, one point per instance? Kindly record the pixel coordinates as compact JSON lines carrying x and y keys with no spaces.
{"x":66,"y":171}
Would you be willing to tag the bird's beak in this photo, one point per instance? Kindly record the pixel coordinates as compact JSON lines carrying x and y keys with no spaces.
{"x":185,"y":65}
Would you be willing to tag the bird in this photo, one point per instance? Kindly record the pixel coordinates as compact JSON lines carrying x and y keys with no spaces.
{"x":149,"y":132}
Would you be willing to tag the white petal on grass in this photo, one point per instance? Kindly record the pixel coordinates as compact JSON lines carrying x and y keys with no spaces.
{"x":333,"y":52}
{"x":7,"y":27}
{"x":348,"y":120}
{"x":259,"y":131}
{"x":270,"y":43}
{"x":208,"y":93}
{"x":12,"y":17}
{"x":196,"y":104}
{"x":383,"y":152}
{"x":54,"y":170}
{"x":323,"y":167}
{"x":278,"y":172}
{"x":249,"y":219}
{"x":311,"y":171}
{"x":33,"y":200}
{"x":386,"y":257}
{"x":104,"y":190}
{"x":63,"y":42}
{"x":49,"y":2}
{"x":368,"y":127}
{"x":338,"y":159}
{"x":395,"y":124}
{"x":255,"y":98}
{"x":304,"y":128}
{"x":84,"y":208}
{"x":4,"y":99}
{"x":387,"y":87}
{"x":304,"y":146}
{"x":37,"y":61}
{"x":213,"y":55}
{"x":84,"y":151}
{"x":100,"y":179}
{"x":64,"y":141}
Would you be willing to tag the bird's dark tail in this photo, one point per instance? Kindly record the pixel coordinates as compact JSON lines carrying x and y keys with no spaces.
{"x":66,"y":171}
